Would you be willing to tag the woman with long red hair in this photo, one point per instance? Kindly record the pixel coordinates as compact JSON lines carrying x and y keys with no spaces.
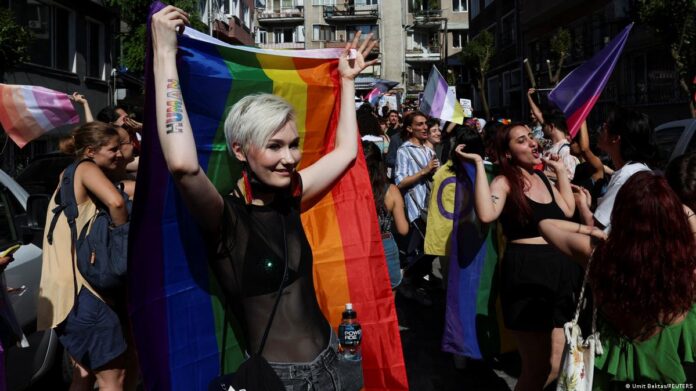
{"x":537,"y":280}
{"x":643,"y":277}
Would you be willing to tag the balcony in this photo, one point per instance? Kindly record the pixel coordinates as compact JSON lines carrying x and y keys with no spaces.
{"x":284,"y":45}
{"x":430,"y":53}
{"x":428,"y":19}
{"x":282,"y":16}
{"x":351,"y":13}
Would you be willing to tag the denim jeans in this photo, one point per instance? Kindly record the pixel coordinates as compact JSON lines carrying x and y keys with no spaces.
{"x":327,"y":372}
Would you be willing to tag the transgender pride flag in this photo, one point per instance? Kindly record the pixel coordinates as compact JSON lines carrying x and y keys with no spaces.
{"x":27,"y":112}
{"x":578,"y":92}
{"x":439,"y":101}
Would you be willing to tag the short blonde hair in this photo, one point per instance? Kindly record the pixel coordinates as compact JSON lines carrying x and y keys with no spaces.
{"x":255,"y":118}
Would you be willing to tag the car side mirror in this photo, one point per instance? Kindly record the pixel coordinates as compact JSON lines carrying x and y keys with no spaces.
{"x":37,"y":208}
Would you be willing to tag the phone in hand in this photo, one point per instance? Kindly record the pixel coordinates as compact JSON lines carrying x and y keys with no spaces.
{"x":10,"y":250}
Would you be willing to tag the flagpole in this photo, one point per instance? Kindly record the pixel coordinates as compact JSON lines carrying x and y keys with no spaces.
{"x":543,"y":89}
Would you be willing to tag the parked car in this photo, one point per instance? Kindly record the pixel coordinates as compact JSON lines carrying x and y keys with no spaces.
{"x":22,"y":219}
{"x":41,"y":175}
{"x":674,"y":139}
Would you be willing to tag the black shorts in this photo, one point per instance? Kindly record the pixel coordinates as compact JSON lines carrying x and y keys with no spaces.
{"x":92,"y":332}
{"x":539,"y":287}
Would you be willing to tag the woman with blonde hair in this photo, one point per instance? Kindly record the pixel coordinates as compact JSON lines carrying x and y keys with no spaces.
{"x":256,"y":238}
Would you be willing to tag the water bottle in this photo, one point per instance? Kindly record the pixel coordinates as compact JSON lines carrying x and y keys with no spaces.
{"x":350,"y":335}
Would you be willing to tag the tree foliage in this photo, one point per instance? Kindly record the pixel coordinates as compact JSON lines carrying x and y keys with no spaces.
{"x":134,"y":13}
{"x":14,"y":41}
{"x":560,"y":47}
{"x":476,"y":55}
{"x":674,"y":22}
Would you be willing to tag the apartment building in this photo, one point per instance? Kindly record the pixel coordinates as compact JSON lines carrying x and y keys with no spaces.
{"x":230,"y":20}
{"x":413,"y":34}
{"x":435,"y":32}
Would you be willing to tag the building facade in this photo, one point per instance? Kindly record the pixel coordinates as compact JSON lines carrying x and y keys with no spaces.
{"x":411,"y":38}
{"x":231,"y":21}
{"x":72,"y":50}
{"x":644,"y":77}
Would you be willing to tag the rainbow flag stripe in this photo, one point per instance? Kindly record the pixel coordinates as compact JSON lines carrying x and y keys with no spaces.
{"x":174,"y":301}
{"x":27,"y":112}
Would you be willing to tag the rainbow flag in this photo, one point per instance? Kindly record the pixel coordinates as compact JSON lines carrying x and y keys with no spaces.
{"x":27,"y":112}
{"x":174,"y":302}
{"x":439,"y":101}
{"x":578,"y":92}
{"x":473,"y":325}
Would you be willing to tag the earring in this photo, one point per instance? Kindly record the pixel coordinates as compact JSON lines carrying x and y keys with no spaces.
{"x":247,"y":185}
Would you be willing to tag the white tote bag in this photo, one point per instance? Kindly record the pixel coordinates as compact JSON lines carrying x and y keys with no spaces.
{"x":577,"y":365}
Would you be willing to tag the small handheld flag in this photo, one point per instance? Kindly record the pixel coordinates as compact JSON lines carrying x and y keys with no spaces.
{"x":440,"y":101}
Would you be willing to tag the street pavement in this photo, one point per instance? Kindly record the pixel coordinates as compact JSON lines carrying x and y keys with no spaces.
{"x":429,"y":368}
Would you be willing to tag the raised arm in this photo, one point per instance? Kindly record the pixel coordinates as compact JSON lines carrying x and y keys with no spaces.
{"x":566,"y":201}
{"x":572,"y":239}
{"x":488,"y":200}
{"x":535,"y":109}
{"x":318,"y":178}
{"x":173,"y":126}
{"x":79,"y":98}
{"x":587,"y":153}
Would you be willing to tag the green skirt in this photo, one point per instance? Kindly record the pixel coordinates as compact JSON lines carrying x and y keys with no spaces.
{"x":657,"y":360}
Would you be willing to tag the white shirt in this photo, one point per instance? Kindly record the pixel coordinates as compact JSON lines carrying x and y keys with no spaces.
{"x":562,"y":149}
{"x":605,"y":204}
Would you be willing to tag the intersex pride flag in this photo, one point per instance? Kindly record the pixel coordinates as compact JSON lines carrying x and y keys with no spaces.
{"x":175,"y":304}
{"x":27,"y":112}
{"x":578,"y":92}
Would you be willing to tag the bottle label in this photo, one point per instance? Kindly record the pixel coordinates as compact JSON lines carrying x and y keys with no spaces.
{"x":349,"y":334}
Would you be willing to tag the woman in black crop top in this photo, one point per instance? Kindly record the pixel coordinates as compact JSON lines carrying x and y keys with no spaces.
{"x":248,"y":229}
{"x":537,"y":280}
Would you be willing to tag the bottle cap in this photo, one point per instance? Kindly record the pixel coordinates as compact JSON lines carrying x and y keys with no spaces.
{"x":349,"y":306}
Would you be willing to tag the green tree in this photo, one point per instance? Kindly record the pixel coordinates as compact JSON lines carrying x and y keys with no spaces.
{"x":674,"y":22}
{"x":477,"y":56}
{"x":14,"y":42}
{"x":133,"y":13}
{"x":560,"y":47}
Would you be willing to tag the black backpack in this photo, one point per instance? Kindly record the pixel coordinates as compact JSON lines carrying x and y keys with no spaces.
{"x":101,"y":249}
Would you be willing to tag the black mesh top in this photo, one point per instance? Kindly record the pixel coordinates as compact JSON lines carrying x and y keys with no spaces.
{"x":248,"y":263}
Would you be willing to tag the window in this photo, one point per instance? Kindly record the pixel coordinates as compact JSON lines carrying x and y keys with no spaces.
{"x":299,"y":34}
{"x":283,"y":35}
{"x":415,"y":76}
{"x":323,"y":2}
{"x":364,"y":29}
{"x":261,"y":37}
{"x":459,"y":6}
{"x":493,"y":92}
{"x":475,"y":8}
{"x":366,"y":2}
{"x":507,"y":29}
{"x":323,"y":33}
{"x":53,"y":30}
{"x":246,"y":15}
{"x":458,"y":38}
{"x":94,"y":53}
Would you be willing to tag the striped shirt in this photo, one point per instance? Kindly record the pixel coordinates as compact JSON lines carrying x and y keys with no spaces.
{"x":411,"y":158}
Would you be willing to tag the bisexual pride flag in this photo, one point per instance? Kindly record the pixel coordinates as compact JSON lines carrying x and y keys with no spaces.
{"x":27,"y":112}
{"x":473,"y":322}
{"x":439,"y":101}
{"x":381,"y":87}
{"x":578,"y":92}
{"x":175,"y":305}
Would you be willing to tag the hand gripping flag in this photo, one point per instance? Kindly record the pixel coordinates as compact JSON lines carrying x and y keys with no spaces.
{"x":174,"y":301}
{"x":578,"y":92}
{"x":27,"y":112}
{"x":440,"y":101}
